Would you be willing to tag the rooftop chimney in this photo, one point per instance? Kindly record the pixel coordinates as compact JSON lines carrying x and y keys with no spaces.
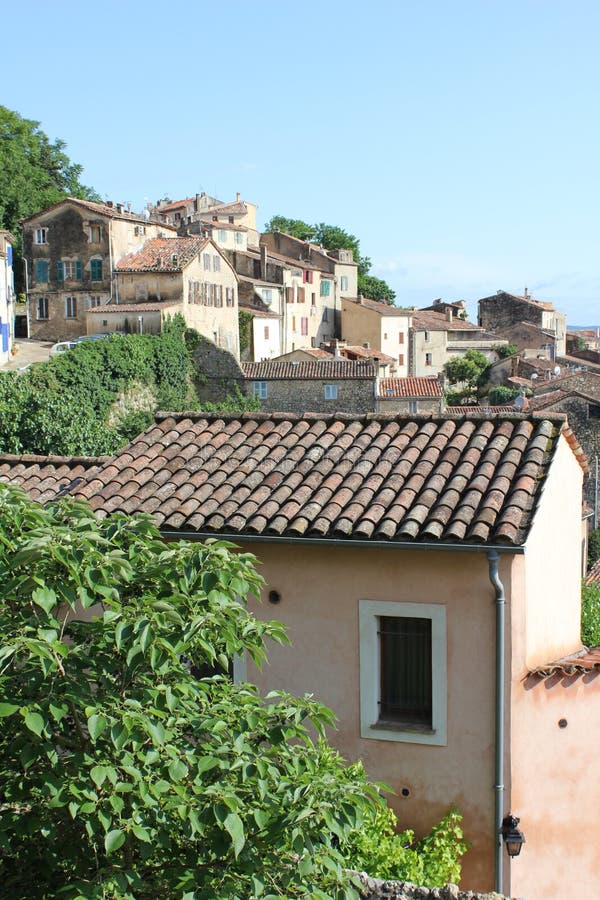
{"x":526,"y":295}
{"x":119,"y":207}
{"x":449,"y":313}
{"x":263,"y":262}
{"x":238,"y":197}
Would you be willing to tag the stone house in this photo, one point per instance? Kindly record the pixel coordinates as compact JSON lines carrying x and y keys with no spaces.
{"x":438,"y":335}
{"x":410,"y":396}
{"x":7,"y":296}
{"x":231,"y":226}
{"x":318,"y":385}
{"x":70,"y":250}
{"x":264,"y":333}
{"x":430,"y":598}
{"x":503,"y":310}
{"x":378,"y":326}
{"x":189,"y":271}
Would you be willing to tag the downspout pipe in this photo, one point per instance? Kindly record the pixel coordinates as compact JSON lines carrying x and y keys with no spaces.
{"x":493,"y":559}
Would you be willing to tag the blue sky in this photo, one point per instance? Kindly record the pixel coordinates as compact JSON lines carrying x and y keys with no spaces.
{"x":458,"y":140}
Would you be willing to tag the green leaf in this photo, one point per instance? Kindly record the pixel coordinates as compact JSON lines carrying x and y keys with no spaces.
{"x":234,"y":825}
{"x":142,"y":834}
{"x":113,"y":840}
{"x":98,"y":775}
{"x":7,"y":709}
{"x":178,"y":770}
{"x":96,"y":725}
{"x":34,"y":722}
{"x":44,"y":597}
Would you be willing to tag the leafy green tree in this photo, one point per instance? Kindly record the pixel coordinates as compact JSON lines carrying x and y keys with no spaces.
{"x":502,"y":394}
{"x":296,"y":227}
{"x":593,"y":547}
{"x":467,"y":374}
{"x":590,"y":614}
{"x":375,"y":289}
{"x":129,"y":767}
{"x":34,"y":173}
{"x":504,"y":350}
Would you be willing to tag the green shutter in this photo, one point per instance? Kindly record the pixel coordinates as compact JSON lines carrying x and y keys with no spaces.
{"x":41,"y":270}
{"x":96,"y":270}
{"x":78,"y":270}
{"x":60,"y":270}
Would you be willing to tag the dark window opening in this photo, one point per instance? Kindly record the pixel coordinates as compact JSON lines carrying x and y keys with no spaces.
{"x":405,"y":671}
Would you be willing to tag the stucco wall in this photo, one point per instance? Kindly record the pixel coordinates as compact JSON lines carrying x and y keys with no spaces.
{"x":320,"y":589}
{"x":553,"y":564}
{"x":360,"y":325}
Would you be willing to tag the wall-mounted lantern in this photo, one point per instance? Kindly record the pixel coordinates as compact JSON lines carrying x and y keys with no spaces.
{"x":512,"y":836}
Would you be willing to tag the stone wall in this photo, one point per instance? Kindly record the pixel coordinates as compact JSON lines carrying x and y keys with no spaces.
{"x":299,"y":395}
{"x":500,"y":311}
{"x":584,"y":382}
{"x":220,"y":373}
{"x":584,"y":419}
{"x":375,"y":889}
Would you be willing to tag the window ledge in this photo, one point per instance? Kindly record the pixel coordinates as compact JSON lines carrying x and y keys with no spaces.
{"x":382,"y":725}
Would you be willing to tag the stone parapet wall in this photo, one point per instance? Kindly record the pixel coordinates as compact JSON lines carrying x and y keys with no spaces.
{"x":375,"y":889}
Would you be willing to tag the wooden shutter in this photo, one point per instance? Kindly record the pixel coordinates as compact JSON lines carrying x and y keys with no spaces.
{"x":60,"y":270}
{"x":289,"y":295}
{"x":78,"y":270}
{"x":300,"y":295}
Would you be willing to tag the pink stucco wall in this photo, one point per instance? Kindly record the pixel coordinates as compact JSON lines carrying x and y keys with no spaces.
{"x":320,"y":590}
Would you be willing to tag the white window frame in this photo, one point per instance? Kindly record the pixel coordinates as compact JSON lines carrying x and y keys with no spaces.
{"x":331,"y":391}
{"x":413,"y":407}
{"x":239,"y":237}
{"x":369,"y":613}
{"x":216,"y":263}
{"x":344,"y":283}
{"x":70,"y":307}
{"x":41,"y":236}
{"x":95,"y":234}
{"x":259,"y":389}
{"x":42,"y":305}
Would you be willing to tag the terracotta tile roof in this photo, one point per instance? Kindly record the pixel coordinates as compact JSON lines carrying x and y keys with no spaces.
{"x":318,"y":368}
{"x":383,"y":309}
{"x":409,"y":387}
{"x":318,"y":352}
{"x":132,"y":307}
{"x":593,"y":576}
{"x":372,"y":477}
{"x":237,"y":208}
{"x":364,"y":353}
{"x":430,"y":320}
{"x":227,"y":226}
{"x":163,"y":255}
{"x":480,"y":410}
{"x":45,"y":477}
{"x":174,"y":204}
{"x":584,"y":662}
{"x":102,"y":209}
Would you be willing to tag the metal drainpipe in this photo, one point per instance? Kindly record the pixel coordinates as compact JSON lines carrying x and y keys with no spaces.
{"x":499,"y":737}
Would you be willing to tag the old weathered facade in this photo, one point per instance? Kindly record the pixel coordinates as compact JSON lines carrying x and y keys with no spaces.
{"x":7,"y":295}
{"x":322,"y":385}
{"x":503,"y":310}
{"x":70,"y":251}
{"x":190,"y":271}
{"x":378,"y":326}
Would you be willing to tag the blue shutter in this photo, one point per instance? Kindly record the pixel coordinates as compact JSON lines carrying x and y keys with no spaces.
{"x":60,"y":270}
{"x":41,"y":270}
{"x":78,"y":270}
{"x":9,"y":254}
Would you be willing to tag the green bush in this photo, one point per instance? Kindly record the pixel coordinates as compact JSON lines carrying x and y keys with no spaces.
{"x":502,"y":394}
{"x":590,"y":615}
{"x":593,"y":547}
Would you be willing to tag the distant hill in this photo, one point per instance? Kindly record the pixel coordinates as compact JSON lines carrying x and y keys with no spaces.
{"x":582,"y":327}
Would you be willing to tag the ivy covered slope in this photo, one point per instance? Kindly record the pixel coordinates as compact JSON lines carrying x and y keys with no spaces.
{"x":128,"y":769}
{"x":94,"y":398}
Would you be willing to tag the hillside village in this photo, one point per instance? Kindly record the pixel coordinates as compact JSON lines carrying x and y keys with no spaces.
{"x":392,"y":522}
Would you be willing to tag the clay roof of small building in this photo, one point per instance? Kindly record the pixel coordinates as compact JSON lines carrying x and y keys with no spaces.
{"x":102,"y":209}
{"x":174,"y":204}
{"x":225,"y":226}
{"x":383,"y":309}
{"x":132,"y":307}
{"x":367,"y":478}
{"x":163,"y":255}
{"x":367,"y":353}
{"x":237,"y":208}
{"x":45,"y":477}
{"x":504,"y":409}
{"x":430,"y":320}
{"x":585,"y":662}
{"x":411,"y":386}
{"x":331,"y":368}
{"x":593,"y":576}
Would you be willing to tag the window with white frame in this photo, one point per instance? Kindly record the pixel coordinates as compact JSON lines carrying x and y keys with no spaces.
{"x":344,"y":283}
{"x":259,"y":389}
{"x":216,"y":263}
{"x":331,"y":391}
{"x":42,"y":308}
{"x":413,"y":407}
{"x":41,"y":236}
{"x":206,"y":261}
{"x":70,"y":307}
{"x":221,"y":235}
{"x":267,"y":295}
{"x":239,"y":237}
{"x":403,"y":671}
{"x":95,"y":234}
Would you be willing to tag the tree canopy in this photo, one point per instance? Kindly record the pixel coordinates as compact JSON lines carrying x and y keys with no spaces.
{"x":34,"y":173}
{"x":466,"y":374}
{"x":332,"y":237}
{"x":132,"y":765}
